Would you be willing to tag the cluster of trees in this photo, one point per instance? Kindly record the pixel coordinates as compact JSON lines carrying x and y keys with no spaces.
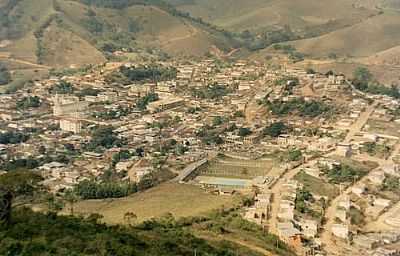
{"x":291,"y":51}
{"x":373,"y":148}
{"x":93,"y":190}
{"x":20,"y":164}
{"x":62,"y":87}
{"x":304,"y":108}
{"x":148,"y":73}
{"x":209,"y":136}
{"x":29,"y":102}
{"x":214,"y":91}
{"x":93,"y":24}
{"x":113,"y":113}
{"x":172,"y":144}
{"x":294,"y":155}
{"x":11,"y":137}
{"x":254,"y":42}
{"x":144,"y":101}
{"x":5,"y":76}
{"x":103,"y":137}
{"x":275,"y":129}
{"x":288,"y":80}
{"x":243,"y":132}
{"x":391,"y":183}
{"x":20,"y":183}
{"x":218,"y":120}
{"x":303,"y":198}
{"x":124,"y":155}
{"x":364,"y":81}
{"x":344,"y":174}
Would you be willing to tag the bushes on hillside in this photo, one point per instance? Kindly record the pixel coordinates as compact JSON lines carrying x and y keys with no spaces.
{"x":5,"y":76}
{"x":364,"y":81}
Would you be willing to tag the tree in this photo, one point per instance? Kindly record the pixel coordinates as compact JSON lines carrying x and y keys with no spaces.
{"x":20,"y":183}
{"x":363,"y":75}
{"x":71,"y":198}
{"x":29,"y":102}
{"x":62,"y":87}
{"x":5,"y":76}
{"x":130,"y":218}
{"x":54,"y":205}
{"x":218,"y":120}
{"x":11,"y":137}
{"x":294,"y":155}
{"x":275,"y":129}
{"x":5,"y":206}
{"x":243,"y":132}
{"x":144,"y":101}
{"x":104,"y":136}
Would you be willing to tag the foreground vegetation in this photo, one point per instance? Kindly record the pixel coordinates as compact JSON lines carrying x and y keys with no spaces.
{"x":31,"y":233}
{"x":24,"y":232}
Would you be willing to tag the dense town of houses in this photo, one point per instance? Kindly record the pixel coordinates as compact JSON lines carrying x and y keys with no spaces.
{"x":67,"y":119}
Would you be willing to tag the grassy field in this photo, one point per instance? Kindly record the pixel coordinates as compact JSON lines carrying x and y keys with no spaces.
{"x":317,"y":186}
{"x":180,"y":200}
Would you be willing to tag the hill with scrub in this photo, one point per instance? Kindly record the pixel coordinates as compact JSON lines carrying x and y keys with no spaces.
{"x":59,"y":33}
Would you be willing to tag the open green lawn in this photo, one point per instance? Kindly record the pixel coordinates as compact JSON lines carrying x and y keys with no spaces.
{"x":178,"y":199}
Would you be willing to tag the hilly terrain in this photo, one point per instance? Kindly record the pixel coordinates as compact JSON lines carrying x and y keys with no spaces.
{"x":62,"y":33}
{"x":260,"y":14}
{"x":44,"y":34}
